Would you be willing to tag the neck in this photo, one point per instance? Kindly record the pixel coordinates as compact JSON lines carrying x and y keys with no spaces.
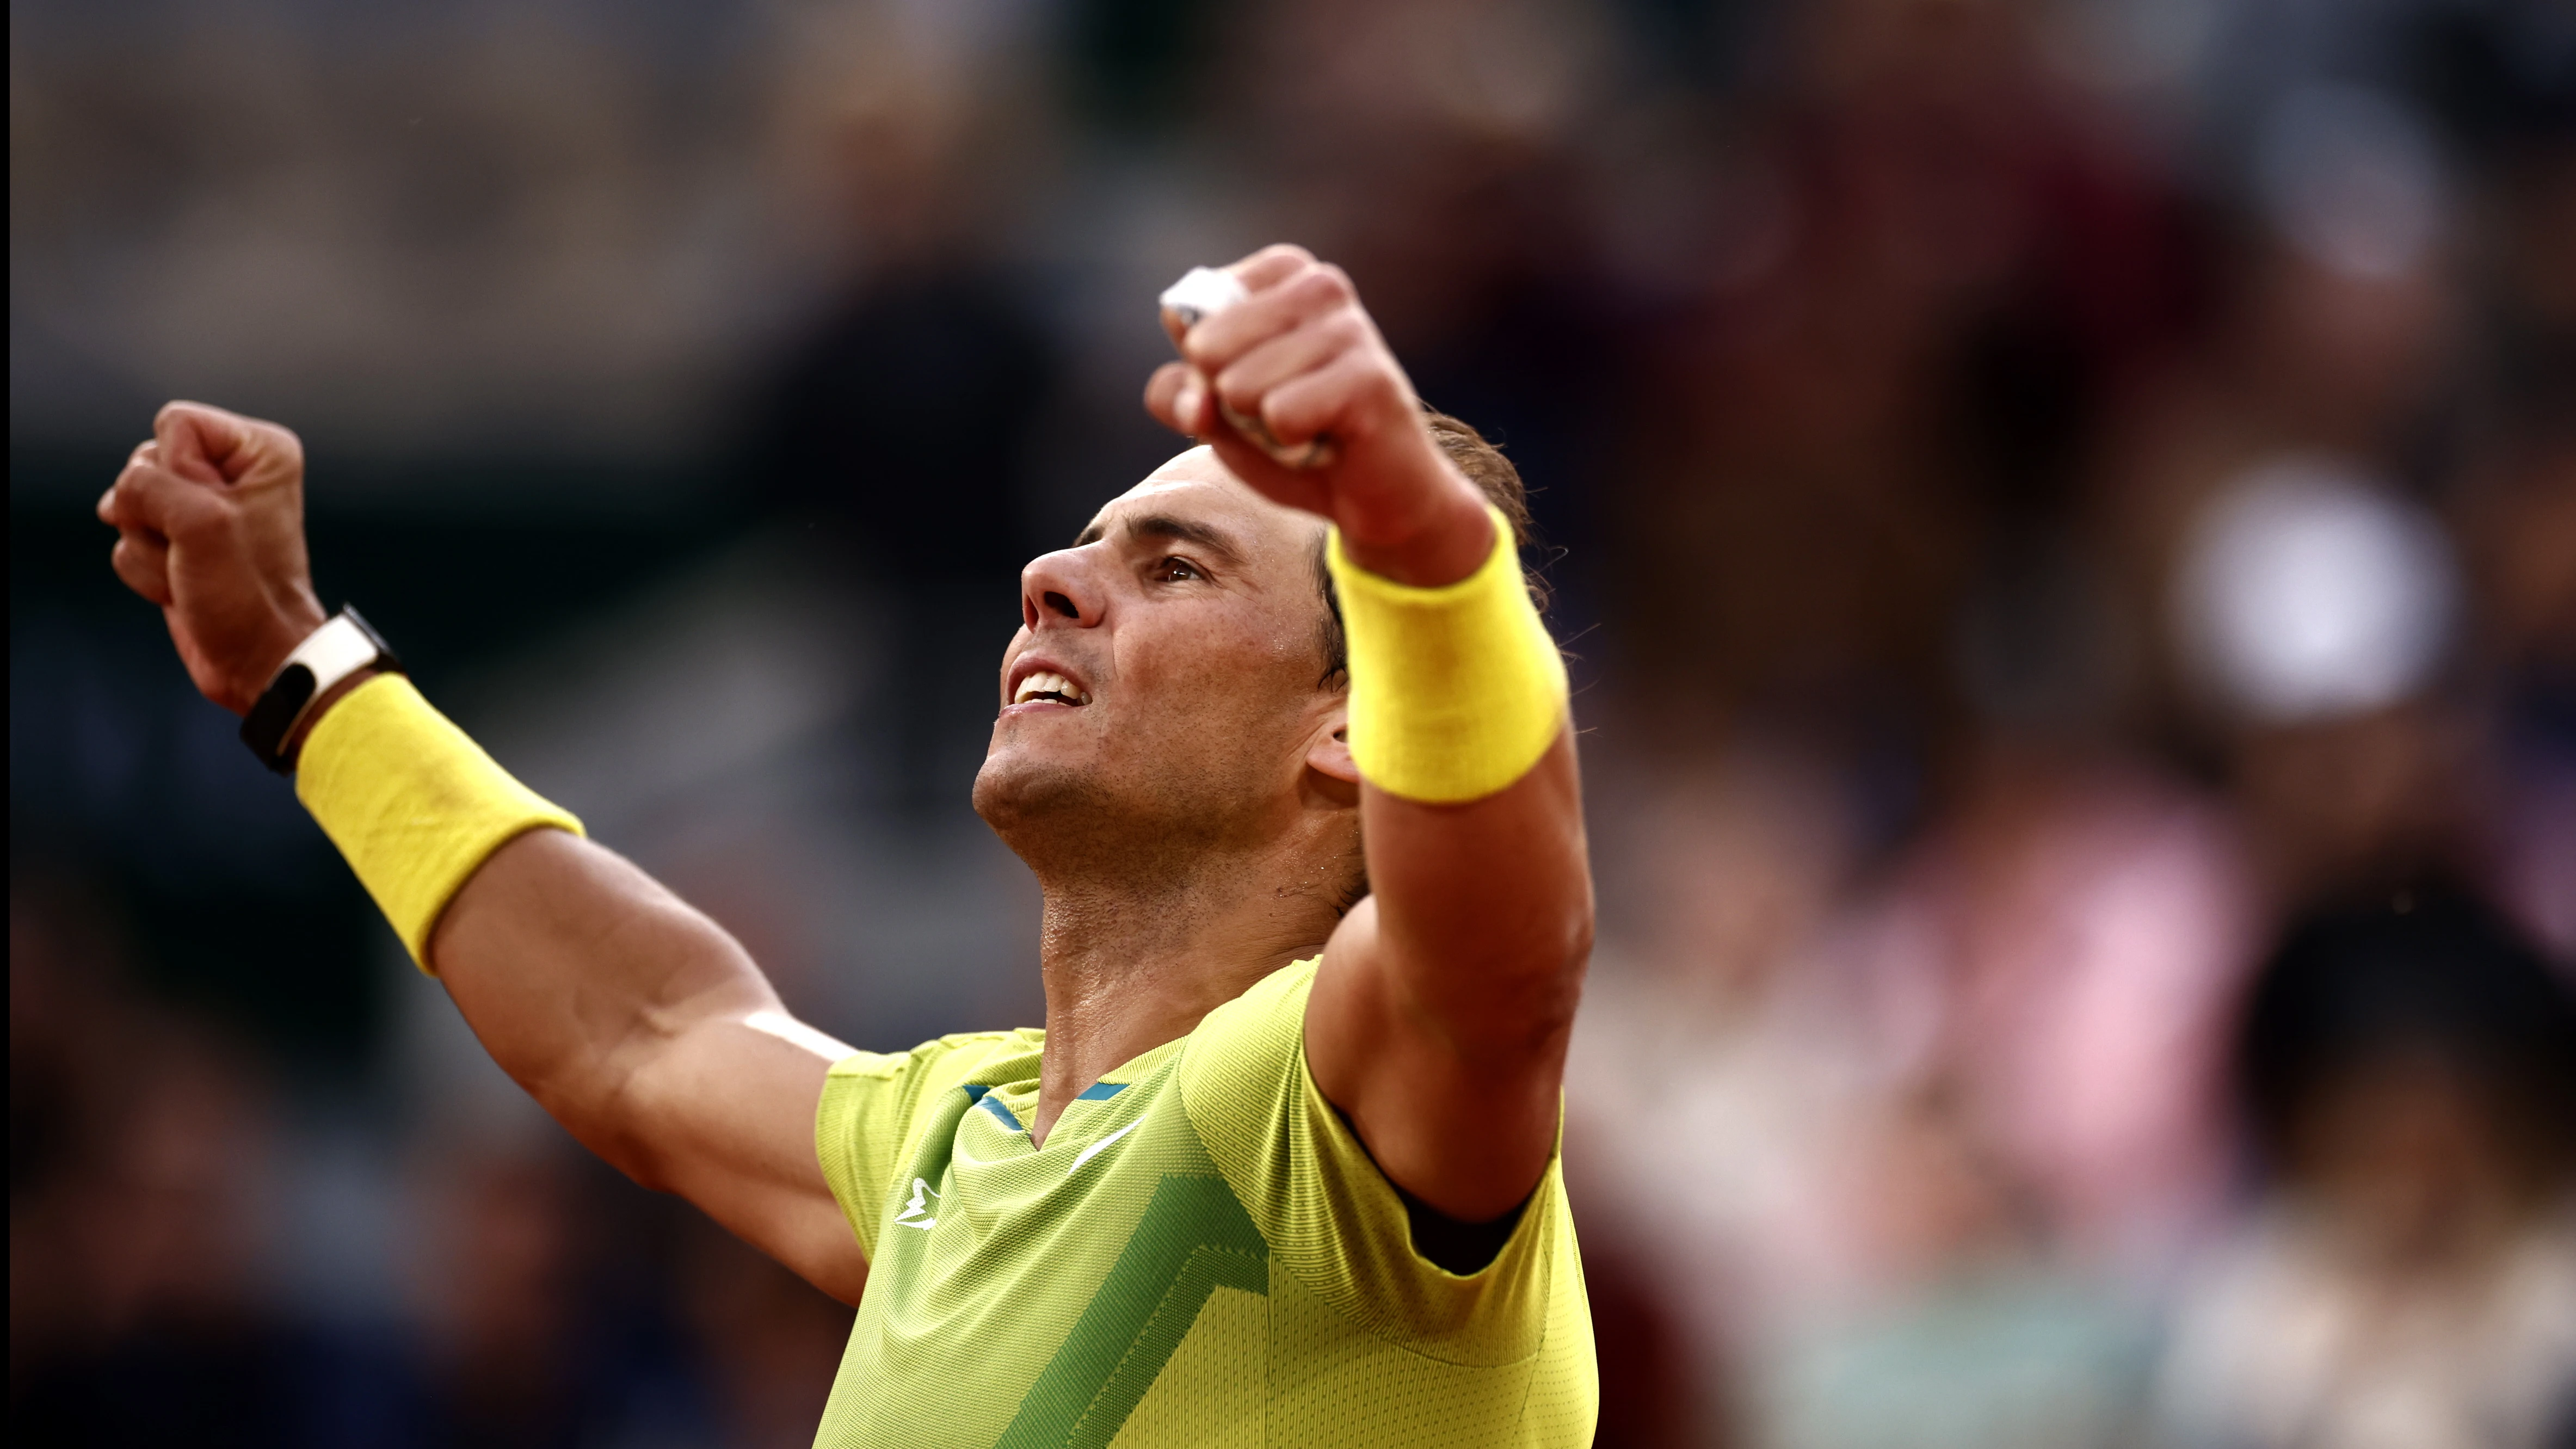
{"x":1135,"y":959}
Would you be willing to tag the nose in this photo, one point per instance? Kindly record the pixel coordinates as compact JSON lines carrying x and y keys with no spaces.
{"x":1058,"y":588}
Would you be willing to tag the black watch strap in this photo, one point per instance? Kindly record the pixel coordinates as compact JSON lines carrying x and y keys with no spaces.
{"x":340,"y":648}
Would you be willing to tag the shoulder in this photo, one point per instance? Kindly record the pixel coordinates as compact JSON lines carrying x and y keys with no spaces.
{"x":1270,"y":1005}
{"x":1331,"y":1219}
{"x":873,"y":1109}
{"x":963,"y":1054}
{"x":871,"y":1100}
{"x":1242,"y":1073}
{"x":1241,"y":1054}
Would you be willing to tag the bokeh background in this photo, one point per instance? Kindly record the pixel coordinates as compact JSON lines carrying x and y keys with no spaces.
{"x":2065,"y":511}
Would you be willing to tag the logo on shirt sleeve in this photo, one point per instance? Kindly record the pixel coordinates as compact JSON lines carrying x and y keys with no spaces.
{"x":913,"y":1215}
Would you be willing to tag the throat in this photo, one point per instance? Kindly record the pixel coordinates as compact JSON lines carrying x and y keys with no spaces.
{"x":1127,"y":971}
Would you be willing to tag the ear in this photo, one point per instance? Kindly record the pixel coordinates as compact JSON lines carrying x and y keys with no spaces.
{"x":1328,"y":753}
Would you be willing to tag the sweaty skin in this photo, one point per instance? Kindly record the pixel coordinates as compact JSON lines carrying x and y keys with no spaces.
{"x":1181,"y":790}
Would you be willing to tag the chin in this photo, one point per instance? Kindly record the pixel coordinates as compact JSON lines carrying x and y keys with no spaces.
{"x":1013,"y":789}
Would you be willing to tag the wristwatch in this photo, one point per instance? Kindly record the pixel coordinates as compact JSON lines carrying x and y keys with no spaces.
{"x":328,"y":655}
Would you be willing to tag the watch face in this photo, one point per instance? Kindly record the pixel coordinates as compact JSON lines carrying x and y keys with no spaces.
{"x":265,"y":728}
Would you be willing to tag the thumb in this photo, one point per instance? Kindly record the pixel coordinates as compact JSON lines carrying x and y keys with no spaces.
{"x":142,"y":560}
{"x":200,"y":443}
{"x":1177,"y":398}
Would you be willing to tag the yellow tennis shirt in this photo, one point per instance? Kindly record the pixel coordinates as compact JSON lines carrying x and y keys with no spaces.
{"x":1202,"y":1254}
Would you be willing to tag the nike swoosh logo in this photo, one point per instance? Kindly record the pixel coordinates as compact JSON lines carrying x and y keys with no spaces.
{"x":1086,"y":1154}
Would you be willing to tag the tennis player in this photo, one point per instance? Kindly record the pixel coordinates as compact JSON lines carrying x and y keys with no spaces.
{"x":1282,"y":1168}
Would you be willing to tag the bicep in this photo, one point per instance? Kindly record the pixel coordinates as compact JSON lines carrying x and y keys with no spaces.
{"x":648,"y":1032}
{"x":726,"y":1111}
{"x":1440,"y":1015}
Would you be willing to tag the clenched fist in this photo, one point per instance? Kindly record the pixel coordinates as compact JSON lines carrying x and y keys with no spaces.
{"x":1300,"y":355}
{"x":209,"y":518}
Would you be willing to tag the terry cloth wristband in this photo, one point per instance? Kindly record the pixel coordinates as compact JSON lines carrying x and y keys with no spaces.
{"x":1456,"y":691}
{"x":414,"y":804}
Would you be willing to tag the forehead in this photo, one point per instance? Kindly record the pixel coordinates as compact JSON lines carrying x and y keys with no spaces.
{"x":1196,"y":489}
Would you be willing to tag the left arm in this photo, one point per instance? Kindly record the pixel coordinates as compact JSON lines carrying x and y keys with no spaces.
{"x":1439,"y":1018}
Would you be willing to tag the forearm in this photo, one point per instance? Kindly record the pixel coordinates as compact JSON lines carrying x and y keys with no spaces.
{"x":634,"y":1019}
{"x":1440,"y":1022}
{"x":589,"y":983}
{"x":1440,"y":1019}
{"x":1484,"y":909}
{"x":1471,"y":801}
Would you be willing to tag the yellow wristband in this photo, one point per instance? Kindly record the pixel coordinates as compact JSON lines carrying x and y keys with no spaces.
{"x":414,"y":804}
{"x":1455,"y":691}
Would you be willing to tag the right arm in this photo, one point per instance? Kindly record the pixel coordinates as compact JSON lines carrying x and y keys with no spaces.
{"x":648,"y":1032}
{"x":636,"y":1021}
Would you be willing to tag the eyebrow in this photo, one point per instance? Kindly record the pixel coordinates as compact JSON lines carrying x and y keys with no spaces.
{"x":1166,"y":526}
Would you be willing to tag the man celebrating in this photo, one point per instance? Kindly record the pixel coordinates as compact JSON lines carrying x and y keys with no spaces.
{"x":1281,"y":1168}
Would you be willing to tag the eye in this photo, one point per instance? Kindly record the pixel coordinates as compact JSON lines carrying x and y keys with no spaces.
{"x":1175,"y":569}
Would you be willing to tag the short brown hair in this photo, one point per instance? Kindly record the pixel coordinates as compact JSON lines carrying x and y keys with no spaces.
{"x":1494,"y":476}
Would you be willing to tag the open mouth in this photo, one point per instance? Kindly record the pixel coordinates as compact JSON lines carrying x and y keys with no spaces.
{"x":1045,"y":684}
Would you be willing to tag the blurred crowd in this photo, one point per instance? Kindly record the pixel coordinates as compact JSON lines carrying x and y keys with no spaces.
{"x":2064,"y":513}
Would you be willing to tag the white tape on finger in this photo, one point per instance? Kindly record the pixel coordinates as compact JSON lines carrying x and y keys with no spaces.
{"x":1201,"y":293}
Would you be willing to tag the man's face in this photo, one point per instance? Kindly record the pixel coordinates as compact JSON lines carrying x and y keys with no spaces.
{"x":1165,"y":684}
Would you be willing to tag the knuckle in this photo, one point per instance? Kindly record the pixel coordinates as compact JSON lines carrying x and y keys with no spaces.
{"x":1236,"y":390}
{"x":1320,"y":293}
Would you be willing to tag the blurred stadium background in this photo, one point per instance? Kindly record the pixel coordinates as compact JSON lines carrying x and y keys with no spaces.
{"x":2066,"y":512}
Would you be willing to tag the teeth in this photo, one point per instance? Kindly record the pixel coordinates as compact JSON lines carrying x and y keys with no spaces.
{"x":1048,"y":682}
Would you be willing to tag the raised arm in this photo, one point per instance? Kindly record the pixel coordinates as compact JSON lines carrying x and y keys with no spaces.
{"x":637,"y":1022}
{"x":1439,"y":1019}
